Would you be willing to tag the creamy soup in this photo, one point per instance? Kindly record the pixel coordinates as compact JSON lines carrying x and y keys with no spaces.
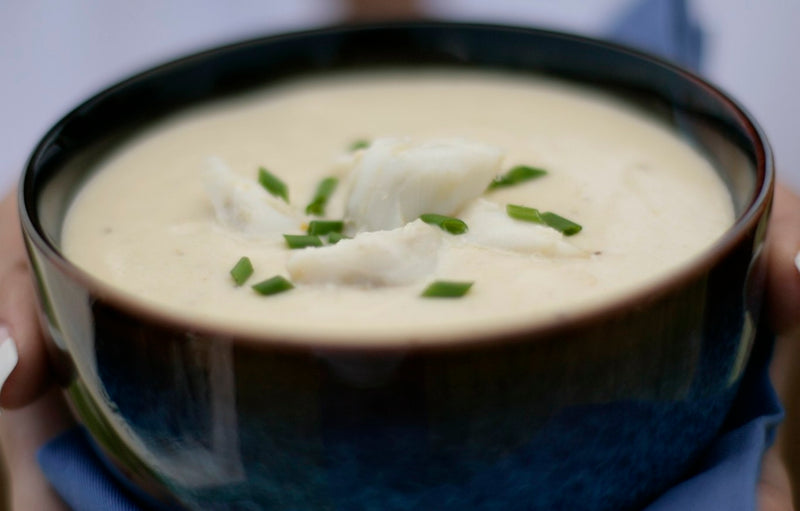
{"x":165,"y":217}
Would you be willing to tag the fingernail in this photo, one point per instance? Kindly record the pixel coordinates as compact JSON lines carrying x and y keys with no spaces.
{"x":8,"y":355}
{"x":797,"y":261}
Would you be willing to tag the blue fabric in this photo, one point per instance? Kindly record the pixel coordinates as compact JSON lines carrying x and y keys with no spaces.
{"x":661,"y":27}
{"x":76,"y":472}
{"x":724,"y":479}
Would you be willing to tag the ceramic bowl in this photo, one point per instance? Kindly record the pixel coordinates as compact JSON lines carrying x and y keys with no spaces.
{"x":602,"y":412}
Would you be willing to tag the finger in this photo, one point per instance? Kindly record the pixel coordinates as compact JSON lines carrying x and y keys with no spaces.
{"x":22,"y":433}
{"x":11,"y":244}
{"x":781,"y":463}
{"x":31,"y":376}
{"x":774,"y":487}
{"x":786,"y":380}
{"x":18,"y":320}
{"x":783,"y":275}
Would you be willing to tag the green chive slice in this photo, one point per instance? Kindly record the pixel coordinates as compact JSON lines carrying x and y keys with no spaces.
{"x":559,"y":223}
{"x":242,"y":270}
{"x":335,"y":237}
{"x":446,"y":223}
{"x":446,"y":289}
{"x":272,"y":286}
{"x":525,"y":214}
{"x":323,"y":227}
{"x":324,"y":190}
{"x":516,"y":175}
{"x":273,"y":184}
{"x":361,"y":143}
{"x":302,"y":240}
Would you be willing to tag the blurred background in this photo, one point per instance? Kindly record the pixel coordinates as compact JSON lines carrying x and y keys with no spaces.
{"x":54,"y":54}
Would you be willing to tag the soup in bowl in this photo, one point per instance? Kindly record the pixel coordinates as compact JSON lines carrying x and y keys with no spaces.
{"x":406,"y":266}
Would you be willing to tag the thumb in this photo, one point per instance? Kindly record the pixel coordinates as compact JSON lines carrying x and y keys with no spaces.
{"x":23,"y":358}
{"x":783,"y":274}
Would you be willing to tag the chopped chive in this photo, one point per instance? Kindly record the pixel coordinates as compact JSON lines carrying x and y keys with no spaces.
{"x":524,"y":213}
{"x":325,"y":189}
{"x":272,"y":286}
{"x":559,"y":223}
{"x":446,"y":289}
{"x":446,"y":223}
{"x":359,"y":144}
{"x":335,"y":237}
{"x":322,"y":227}
{"x":516,"y":175}
{"x":273,"y":184}
{"x":302,"y":240}
{"x":242,"y":270}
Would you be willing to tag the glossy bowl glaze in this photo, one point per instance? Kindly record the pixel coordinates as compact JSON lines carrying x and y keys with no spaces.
{"x":602,"y":412}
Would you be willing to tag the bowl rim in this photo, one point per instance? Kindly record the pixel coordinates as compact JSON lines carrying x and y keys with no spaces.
{"x":753,"y":211}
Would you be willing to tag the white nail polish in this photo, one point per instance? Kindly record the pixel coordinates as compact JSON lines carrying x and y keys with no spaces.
{"x":8,"y":355}
{"x":797,"y":261}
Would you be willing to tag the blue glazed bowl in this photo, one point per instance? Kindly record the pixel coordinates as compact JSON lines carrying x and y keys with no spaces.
{"x":602,"y":412}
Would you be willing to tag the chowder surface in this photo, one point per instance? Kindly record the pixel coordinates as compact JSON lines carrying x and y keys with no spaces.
{"x":648,"y":202}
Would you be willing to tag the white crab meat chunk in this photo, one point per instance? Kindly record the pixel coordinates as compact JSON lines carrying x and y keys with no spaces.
{"x":396,"y":180}
{"x":371,"y":259}
{"x":244,"y":206}
{"x":490,"y":226}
